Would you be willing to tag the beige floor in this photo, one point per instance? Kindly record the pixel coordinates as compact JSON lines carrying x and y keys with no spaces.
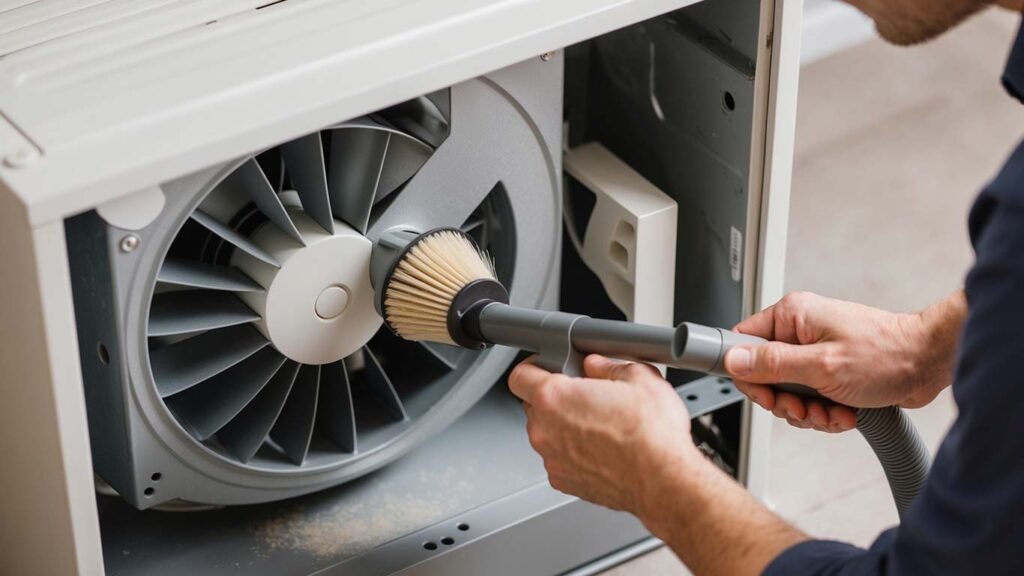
{"x":892,"y":146}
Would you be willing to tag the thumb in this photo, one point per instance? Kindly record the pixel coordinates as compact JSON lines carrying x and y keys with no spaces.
{"x":776,"y":362}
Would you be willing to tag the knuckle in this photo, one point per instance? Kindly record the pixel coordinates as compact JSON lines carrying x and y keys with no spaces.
{"x":633,"y":372}
{"x":772,"y":360}
{"x":798,"y":301}
{"x":538,"y":439}
{"x":552,"y":468}
{"x":792,"y":300}
{"x":558,"y":381}
{"x":545,"y":398}
{"x":829,"y":363}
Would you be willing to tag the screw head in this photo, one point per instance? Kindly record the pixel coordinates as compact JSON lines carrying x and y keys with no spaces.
{"x":129,"y":243}
{"x":547,"y":56}
{"x":20,"y":158}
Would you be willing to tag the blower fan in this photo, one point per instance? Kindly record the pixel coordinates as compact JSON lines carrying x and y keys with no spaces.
{"x":254,"y":365}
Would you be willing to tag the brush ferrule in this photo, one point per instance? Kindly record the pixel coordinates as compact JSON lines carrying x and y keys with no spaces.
{"x":464,"y":313}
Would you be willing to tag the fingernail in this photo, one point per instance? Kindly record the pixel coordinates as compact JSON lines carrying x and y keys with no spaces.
{"x":791,"y":415}
{"x":737,"y":361}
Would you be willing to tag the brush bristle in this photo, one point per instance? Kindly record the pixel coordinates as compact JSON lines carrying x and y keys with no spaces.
{"x":427,"y":279}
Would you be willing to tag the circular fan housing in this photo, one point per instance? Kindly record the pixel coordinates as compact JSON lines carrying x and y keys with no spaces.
{"x":265,"y":366}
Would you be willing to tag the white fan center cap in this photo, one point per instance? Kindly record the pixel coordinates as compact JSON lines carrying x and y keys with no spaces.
{"x":332,"y":302}
{"x":318,"y":306}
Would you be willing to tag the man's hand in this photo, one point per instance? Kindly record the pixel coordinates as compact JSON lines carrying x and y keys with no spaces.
{"x":608,"y":438}
{"x":853,"y":354}
{"x":621,"y":438}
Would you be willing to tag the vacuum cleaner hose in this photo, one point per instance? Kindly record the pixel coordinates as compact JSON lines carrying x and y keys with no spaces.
{"x":899,"y":448}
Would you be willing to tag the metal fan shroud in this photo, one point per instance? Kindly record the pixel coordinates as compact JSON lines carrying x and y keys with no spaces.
{"x":253,"y":424}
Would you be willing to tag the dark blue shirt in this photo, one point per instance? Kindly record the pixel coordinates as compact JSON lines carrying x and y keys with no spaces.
{"x":970,"y":517}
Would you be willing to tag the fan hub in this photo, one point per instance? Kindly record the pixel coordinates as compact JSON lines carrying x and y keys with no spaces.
{"x":318,"y":306}
{"x":332,"y":302}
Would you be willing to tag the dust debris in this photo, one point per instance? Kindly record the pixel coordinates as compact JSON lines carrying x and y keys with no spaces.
{"x":359,"y":524}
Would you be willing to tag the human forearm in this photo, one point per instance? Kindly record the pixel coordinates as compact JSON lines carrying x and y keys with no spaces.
{"x":710,"y":521}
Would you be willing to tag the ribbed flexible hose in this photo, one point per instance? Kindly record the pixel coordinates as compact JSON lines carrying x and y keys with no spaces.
{"x":899,"y":448}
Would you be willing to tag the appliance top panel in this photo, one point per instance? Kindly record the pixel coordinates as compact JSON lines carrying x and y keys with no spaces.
{"x":102,"y":97}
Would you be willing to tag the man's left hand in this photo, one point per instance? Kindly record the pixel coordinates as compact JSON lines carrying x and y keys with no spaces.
{"x":610,"y":438}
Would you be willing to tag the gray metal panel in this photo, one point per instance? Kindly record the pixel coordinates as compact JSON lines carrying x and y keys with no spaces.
{"x":656,"y":97}
{"x":732,"y":23}
{"x":492,"y":482}
{"x":567,"y":534}
{"x":100,"y":351}
{"x":458,"y":470}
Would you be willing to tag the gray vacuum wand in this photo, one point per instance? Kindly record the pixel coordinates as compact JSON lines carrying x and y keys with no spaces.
{"x":561,"y":340}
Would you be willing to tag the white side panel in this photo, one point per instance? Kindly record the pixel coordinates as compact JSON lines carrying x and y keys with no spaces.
{"x":47,"y":505}
{"x":781,"y":97}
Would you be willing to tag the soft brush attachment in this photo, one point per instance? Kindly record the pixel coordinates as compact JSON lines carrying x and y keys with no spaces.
{"x":434,"y":280}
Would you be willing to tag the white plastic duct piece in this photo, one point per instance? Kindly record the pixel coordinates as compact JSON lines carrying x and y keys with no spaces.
{"x":630,"y":240}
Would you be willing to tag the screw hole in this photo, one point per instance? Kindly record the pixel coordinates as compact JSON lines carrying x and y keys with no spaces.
{"x":447,"y":540}
{"x":728,"y":101}
{"x":103,"y":354}
{"x":149,"y":491}
{"x":726,"y":391}
{"x":691,"y":397}
{"x":429,"y":546}
{"x":156,"y":476}
{"x":463,"y":527}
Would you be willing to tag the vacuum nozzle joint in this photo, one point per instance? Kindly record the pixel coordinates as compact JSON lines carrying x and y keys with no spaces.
{"x":464,"y":313}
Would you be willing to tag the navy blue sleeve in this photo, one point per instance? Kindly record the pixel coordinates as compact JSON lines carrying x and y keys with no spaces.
{"x":970,"y":517}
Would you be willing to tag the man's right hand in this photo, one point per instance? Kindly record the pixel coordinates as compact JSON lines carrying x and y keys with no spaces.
{"x":853,"y":354}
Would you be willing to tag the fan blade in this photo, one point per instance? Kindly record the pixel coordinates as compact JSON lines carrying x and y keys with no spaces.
{"x":305,"y":161}
{"x":381,"y":388}
{"x":405,"y":156}
{"x":190,"y":311}
{"x":272,"y":164}
{"x":294,"y":427}
{"x":447,"y":355}
{"x":422,"y":118}
{"x":244,"y":435}
{"x":200,"y":275}
{"x":336,"y":415}
{"x":489,"y":142}
{"x":357,"y":157}
{"x":209,"y":406}
{"x":411,"y":356}
{"x":250,"y":177}
{"x":234,"y":238}
{"x":182,"y":365}
{"x":472,"y":224}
